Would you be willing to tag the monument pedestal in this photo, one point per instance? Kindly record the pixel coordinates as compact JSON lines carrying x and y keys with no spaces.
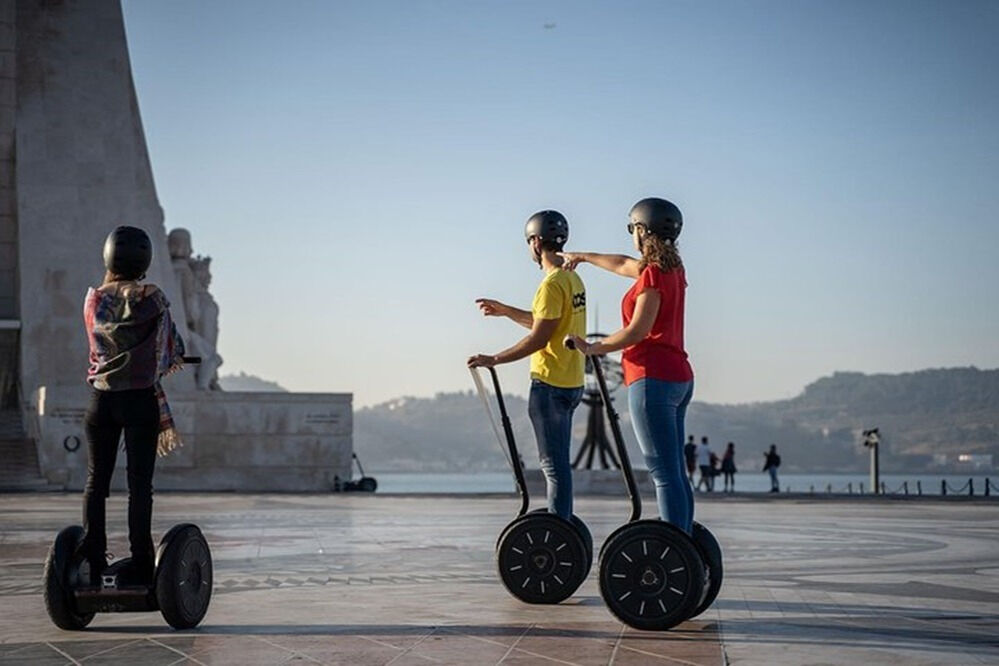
{"x":239,"y":441}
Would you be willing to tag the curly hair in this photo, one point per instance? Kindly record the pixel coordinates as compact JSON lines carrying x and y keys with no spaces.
{"x":658,"y":251}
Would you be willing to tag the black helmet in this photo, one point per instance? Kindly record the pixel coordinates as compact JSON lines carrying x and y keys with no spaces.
{"x":659,"y":216}
{"x":128,"y":252}
{"x":548,"y":225}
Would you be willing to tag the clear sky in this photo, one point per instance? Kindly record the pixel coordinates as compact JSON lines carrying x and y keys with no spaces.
{"x":360,"y":172}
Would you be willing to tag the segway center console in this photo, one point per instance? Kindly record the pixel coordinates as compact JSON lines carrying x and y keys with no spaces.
{"x":653,"y":576}
{"x":181,"y":587}
{"x":541,"y":557}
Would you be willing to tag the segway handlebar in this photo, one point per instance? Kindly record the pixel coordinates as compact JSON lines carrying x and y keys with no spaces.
{"x":191,"y":359}
{"x":615,"y":426}
{"x":511,"y":443}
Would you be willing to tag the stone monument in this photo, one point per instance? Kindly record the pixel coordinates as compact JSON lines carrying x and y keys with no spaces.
{"x":201,"y":312}
{"x":74,"y":165}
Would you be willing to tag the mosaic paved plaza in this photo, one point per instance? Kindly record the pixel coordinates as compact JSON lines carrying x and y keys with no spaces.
{"x":410,"y":580}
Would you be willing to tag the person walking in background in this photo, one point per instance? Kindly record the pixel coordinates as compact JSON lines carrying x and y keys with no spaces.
{"x":656,"y":369}
{"x":771,"y":464}
{"x":704,"y":463}
{"x":690,"y":458}
{"x":728,"y":467}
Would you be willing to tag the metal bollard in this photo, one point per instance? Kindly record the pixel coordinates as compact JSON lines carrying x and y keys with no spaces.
{"x":971,"y":487}
{"x":883,"y":488}
{"x":905,"y":487}
{"x":919,"y":488}
{"x":987,"y":484}
{"x":849,"y":487}
{"x":943,"y":486}
{"x":861,"y":487}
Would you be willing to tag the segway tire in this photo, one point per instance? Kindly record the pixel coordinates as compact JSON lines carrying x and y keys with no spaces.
{"x":61,"y":577}
{"x":183,"y":576}
{"x":711,"y":554}
{"x":651,"y":575}
{"x":584,"y":532}
{"x":541,"y":558}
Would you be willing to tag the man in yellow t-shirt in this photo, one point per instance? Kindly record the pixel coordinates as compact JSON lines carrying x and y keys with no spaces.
{"x":558,"y":310}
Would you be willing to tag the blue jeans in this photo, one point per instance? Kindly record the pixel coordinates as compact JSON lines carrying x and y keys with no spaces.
{"x":550,"y":409}
{"x":658,"y":409}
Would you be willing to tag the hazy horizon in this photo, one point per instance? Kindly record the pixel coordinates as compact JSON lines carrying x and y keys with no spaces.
{"x":361,"y":172}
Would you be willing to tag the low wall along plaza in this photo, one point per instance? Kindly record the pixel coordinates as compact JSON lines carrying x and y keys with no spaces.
{"x":246,"y":441}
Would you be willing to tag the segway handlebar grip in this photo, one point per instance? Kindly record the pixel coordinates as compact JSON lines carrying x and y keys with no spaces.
{"x":570,"y":343}
{"x":191,"y":359}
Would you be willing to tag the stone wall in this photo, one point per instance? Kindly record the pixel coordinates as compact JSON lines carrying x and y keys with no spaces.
{"x":289,"y":442}
{"x":82,"y":168}
{"x":8,"y":200}
{"x":9,"y":349}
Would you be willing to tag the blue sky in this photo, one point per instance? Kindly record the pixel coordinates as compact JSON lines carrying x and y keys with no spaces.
{"x":360,"y":172}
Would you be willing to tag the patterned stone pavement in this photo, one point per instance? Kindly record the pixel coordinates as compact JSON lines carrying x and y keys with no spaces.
{"x":410,"y":580}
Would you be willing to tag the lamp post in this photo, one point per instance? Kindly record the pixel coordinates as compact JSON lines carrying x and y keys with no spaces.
{"x":871,"y":440}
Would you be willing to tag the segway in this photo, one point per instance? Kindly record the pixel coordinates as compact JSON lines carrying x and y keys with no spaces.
{"x":541,"y":558}
{"x":652,"y":575}
{"x":181,"y":587}
{"x":365,"y":484}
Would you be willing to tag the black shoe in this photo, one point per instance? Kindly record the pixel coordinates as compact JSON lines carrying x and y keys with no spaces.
{"x":90,"y":567}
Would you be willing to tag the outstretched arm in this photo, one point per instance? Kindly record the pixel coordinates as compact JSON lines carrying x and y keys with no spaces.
{"x":541,"y":332}
{"x":491,"y":308}
{"x":621,"y":264}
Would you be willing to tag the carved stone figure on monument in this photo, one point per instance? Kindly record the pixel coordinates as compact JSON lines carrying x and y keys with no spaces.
{"x":179,"y":241}
{"x":209,"y":317}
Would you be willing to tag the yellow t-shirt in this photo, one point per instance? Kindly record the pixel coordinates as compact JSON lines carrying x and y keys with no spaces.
{"x":561,"y":295}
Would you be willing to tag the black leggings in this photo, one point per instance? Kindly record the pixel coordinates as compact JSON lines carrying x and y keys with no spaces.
{"x":136,"y":413}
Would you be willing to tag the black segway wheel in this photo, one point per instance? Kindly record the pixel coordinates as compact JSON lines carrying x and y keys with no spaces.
{"x":651,"y":575}
{"x":183,"y":576}
{"x":62,"y":576}
{"x":711,"y":554}
{"x":541,"y":558}
{"x":584,"y":532}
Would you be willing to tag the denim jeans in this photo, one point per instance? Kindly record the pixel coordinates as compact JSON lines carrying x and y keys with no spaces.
{"x":550,"y":408}
{"x":658,"y":409}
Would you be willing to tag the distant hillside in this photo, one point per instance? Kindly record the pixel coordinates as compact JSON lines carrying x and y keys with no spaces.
{"x":245,"y":382}
{"x":953,"y":410}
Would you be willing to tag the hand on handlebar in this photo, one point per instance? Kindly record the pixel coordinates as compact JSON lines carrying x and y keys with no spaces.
{"x":481,"y":361}
{"x":577,"y":343}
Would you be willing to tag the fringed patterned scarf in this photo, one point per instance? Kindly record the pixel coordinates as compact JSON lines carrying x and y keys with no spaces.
{"x":134,"y":344}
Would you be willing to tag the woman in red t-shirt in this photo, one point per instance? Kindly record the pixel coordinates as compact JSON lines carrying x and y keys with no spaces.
{"x":659,"y":378}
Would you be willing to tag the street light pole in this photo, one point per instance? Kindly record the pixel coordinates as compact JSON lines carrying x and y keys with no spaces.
{"x":871,"y":440}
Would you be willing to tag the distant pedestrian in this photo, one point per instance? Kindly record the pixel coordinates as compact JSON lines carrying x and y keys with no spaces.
{"x":728,"y":467}
{"x":690,"y":457}
{"x":770,"y":465}
{"x":704,"y":463}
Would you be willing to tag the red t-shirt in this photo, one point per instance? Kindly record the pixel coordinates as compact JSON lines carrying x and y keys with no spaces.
{"x":660,"y":354}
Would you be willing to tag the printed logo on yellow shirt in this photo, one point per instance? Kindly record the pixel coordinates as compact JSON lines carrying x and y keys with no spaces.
{"x":561,"y":295}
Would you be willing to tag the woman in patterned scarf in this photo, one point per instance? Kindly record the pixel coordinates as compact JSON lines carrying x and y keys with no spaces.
{"x":133,"y":344}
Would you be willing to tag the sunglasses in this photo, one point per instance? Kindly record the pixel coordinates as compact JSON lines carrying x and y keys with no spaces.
{"x":632,"y":227}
